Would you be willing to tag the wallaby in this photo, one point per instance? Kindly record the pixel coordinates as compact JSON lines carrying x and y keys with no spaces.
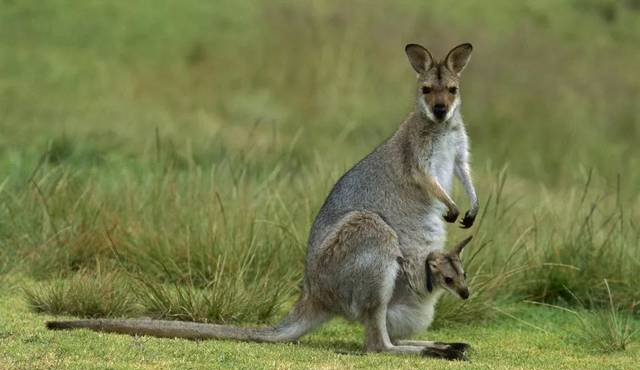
{"x":375,"y":251}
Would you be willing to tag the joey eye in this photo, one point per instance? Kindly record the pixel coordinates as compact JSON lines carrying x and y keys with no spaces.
{"x":453,"y":90}
{"x":464,"y":275}
{"x":448,"y":280}
{"x":426,"y":89}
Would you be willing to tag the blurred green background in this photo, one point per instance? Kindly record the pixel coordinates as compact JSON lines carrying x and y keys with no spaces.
{"x":552,"y":90}
{"x":167,"y":158}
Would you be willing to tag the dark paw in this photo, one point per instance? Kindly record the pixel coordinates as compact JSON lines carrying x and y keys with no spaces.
{"x":451,"y":216}
{"x":467,"y":220}
{"x":448,"y":351}
{"x":462,"y":347}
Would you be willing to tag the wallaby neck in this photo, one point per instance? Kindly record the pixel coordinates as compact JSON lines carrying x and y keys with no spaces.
{"x":417,"y":131}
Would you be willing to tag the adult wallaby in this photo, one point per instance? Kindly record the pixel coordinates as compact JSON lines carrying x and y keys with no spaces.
{"x":375,"y":251}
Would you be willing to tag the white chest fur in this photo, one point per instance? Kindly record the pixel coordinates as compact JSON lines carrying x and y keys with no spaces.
{"x":442,"y":157}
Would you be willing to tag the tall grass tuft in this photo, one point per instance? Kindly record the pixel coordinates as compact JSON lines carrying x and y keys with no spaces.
{"x":85,"y":294}
{"x":590,"y":242}
{"x":226,"y":299}
{"x":606,"y":330}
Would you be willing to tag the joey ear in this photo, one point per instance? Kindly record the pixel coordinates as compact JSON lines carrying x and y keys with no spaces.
{"x":419,"y":57}
{"x":401,"y":263}
{"x":458,"y":58}
{"x":427,"y":267}
{"x":460,"y":246}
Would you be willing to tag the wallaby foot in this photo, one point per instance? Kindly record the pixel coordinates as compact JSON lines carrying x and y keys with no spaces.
{"x":428,"y":343}
{"x":446,"y":351}
{"x":399,"y":350}
{"x":449,"y":351}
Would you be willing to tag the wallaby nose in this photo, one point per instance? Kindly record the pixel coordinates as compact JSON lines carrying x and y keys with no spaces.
{"x":464,"y":293}
{"x":440,"y":111}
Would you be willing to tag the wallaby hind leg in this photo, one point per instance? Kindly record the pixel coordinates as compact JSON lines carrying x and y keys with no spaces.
{"x":355,"y":268}
{"x":377,"y":337}
{"x":377,"y":340}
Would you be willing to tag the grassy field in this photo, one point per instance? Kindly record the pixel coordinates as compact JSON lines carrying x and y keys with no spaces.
{"x":554,"y":342}
{"x":166,"y":159}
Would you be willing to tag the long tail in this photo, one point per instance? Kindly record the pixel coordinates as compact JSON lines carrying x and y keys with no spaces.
{"x":302,"y":318}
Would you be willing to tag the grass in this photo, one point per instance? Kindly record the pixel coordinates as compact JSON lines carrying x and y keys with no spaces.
{"x":608,"y":330}
{"x":189,"y":255}
{"x":167,"y":160}
{"x":504,"y":344}
{"x":83,"y":294}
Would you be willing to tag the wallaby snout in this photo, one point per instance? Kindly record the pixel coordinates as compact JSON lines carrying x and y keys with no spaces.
{"x":463,"y":293}
{"x":440,"y":111}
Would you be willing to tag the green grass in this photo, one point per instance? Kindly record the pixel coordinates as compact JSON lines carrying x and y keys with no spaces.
{"x":506,"y":344}
{"x":608,"y":330}
{"x":167,"y":159}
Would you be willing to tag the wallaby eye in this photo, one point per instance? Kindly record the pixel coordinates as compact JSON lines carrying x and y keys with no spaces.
{"x":426,"y":89}
{"x":448,"y":280}
{"x":453,"y":90}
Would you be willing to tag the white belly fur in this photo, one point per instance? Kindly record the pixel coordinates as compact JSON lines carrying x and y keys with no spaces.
{"x":407,"y":318}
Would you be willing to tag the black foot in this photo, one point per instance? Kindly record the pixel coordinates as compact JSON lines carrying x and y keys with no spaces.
{"x":467,"y":220}
{"x":451,"y":216}
{"x":463,"y":347}
{"x":449,"y":351}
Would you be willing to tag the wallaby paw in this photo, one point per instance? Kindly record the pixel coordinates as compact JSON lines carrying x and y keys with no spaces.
{"x":449,"y":351}
{"x":467,"y":220}
{"x":452,"y":215}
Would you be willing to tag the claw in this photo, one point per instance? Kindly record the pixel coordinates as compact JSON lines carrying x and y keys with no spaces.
{"x":467,"y":221}
{"x":451,"y":216}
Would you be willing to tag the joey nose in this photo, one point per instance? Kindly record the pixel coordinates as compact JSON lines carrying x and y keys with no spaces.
{"x":440,"y":111}
{"x":464,"y":293}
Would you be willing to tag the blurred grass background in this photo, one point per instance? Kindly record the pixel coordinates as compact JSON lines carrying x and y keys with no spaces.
{"x":167,"y":158}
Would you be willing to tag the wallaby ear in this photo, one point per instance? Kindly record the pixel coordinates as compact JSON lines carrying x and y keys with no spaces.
{"x":460,"y":246}
{"x":419,"y":57}
{"x":429,"y":273}
{"x":458,"y":58}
